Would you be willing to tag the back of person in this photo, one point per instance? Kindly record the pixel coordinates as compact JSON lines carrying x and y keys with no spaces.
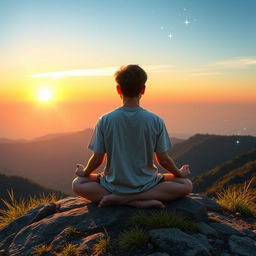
{"x":130,"y":136}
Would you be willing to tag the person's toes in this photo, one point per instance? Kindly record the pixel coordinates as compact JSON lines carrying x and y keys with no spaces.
{"x":102,"y":202}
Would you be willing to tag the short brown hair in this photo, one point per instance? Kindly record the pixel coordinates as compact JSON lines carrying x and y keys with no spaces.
{"x":132,"y":79}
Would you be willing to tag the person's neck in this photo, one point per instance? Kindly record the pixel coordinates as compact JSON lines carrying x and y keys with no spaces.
{"x":131,"y":102}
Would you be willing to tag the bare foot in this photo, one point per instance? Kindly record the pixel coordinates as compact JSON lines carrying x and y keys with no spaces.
{"x":147,"y":204}
{"x":112,"y":199}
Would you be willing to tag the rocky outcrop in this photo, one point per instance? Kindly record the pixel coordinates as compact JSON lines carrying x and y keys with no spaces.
{"x":74,"y":220}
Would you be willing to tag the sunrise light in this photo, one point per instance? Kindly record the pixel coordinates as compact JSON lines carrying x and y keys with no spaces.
{"x":45,"y":94}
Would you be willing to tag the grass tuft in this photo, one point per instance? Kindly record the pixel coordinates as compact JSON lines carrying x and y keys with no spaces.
{"x":69,"y":250}
{"x":239,"y":198}
{"x":70,"y":231}
{"x":214,"y":219}
{"x":103,"y":245}
{"x":41,"y":250}
{"x":16,"y":208}
{"x":134,"y":238}
{"x":163,"y":219}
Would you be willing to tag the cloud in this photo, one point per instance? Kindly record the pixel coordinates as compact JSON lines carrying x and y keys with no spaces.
{"x":236,"y":63}
{"x":106,"y":71}
{"x":205,"y":73}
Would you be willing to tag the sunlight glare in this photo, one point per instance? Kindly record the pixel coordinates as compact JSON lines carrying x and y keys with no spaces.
{"x":45,"y":94}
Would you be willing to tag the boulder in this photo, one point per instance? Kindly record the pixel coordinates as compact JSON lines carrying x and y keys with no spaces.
{"x":224,"y":229}
{"x":193,"y":209}
{"x":209,"y":203}
{"x":206,"y":229}
{"x":176,"y":242}
{"x":243,"y":246}
{"x":48,"y":225}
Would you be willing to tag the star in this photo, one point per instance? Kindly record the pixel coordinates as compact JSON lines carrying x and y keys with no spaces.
{"x":237,"y":142}
{"x":186,"y":21}
{"x":170,"y":36}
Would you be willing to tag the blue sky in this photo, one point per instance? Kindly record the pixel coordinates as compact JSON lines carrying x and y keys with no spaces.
{"x":138,"y":30}
{"x":212,"y":59}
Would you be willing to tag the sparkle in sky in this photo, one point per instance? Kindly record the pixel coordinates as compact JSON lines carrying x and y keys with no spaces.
{"x":170,"y":36}
{"x":193,"y":51}
{"x":187,"y":21}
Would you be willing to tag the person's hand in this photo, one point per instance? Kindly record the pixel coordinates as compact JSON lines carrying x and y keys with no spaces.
{"x":79,"y":170}
{"x":184,"y":170}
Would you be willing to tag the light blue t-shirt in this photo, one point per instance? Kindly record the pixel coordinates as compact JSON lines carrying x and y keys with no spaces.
{"x":130,"y":136}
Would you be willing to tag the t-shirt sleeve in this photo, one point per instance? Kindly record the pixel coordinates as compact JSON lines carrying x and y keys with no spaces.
{"x":163,"y":142}
{"x":97,"y":143}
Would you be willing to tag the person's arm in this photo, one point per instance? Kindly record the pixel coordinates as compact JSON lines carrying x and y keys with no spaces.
{"x":94,"y":162}
{"x":167,"y":163}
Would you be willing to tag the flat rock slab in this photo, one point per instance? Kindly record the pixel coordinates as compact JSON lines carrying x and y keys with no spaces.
{"x":84,"y":217}
{"x":243,"y":246}
{"x":191,"y":208}
{"x":175,"y":242}
{"x":206,"y":229}
{"x":224,"y":229}
{"x":209,"y":203}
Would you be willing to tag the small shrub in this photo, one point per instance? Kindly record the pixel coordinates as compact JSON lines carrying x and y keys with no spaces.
{"x":163,"y":219}
{"x":103,"y":245}
{"x":70,"y":231}
{"x":15,"y":209}
{"x":136,"y":237}
{"x":69,"y":250}
{"x":41,"y":250}
{"x":239,"y":198}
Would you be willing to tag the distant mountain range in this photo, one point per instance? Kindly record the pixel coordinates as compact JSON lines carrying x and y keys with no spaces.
{"x":204,"y":152}
{"x":242,"y":168}
{"x":51,"y":160}
{"x":22,"y":188}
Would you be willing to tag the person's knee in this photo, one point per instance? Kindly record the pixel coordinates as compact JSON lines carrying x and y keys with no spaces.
{"x":76,"y":184}
{"x":189,"y":186}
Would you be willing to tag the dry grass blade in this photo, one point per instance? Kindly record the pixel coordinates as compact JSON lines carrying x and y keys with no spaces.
{"x":239,"y":198}
{"x":16,"y":208}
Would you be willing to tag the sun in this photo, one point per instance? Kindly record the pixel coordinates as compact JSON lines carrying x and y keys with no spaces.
{"x":45,"y":94}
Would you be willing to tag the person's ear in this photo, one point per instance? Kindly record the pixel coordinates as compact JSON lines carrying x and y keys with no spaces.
{"x":118,"y":88}
{"x":143,"y":90}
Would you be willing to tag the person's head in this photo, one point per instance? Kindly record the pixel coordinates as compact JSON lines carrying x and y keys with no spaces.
{"x":131,"y":81}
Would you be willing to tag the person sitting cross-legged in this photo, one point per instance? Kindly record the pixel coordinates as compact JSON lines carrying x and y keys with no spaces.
{"x":130,"y":137}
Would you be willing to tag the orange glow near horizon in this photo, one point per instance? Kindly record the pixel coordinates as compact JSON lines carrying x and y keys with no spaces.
{"x":159,"y":88}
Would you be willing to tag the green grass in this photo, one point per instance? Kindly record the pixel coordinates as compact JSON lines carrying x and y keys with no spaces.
{"x":41,"y":250}
{"x":134,"y":238}
{"x":15,"y":209}
{"x":163,"y":219}
{"x":103,"y":245}
{"x":239,"y":198}
{"x":69,"y":250}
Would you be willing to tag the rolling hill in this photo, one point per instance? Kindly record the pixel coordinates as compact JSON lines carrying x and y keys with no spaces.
{"x":22,"y":188}
{"x":51,"y":160}
{"x":242,"y":168}
{"x":204,"y":152}
{"x":48,"y":161}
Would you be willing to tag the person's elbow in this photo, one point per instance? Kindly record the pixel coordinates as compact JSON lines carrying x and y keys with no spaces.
{"x":162,"y":158}
{"x":98,"y":158}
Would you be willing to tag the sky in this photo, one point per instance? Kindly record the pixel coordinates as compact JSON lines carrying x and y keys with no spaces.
{"x":58,"y":58}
